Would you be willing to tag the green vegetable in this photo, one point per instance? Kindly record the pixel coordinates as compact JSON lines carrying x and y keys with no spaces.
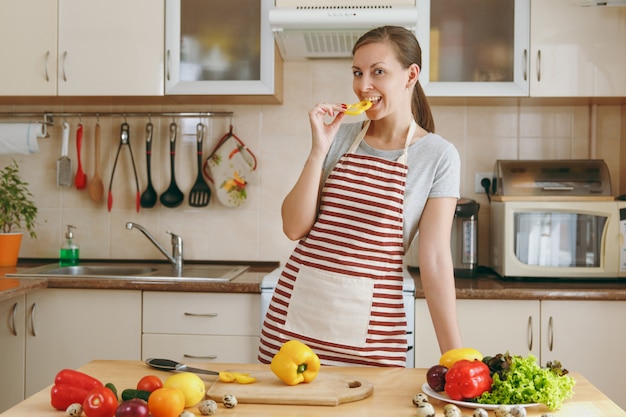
{"x":526,"y":382}
{"x":129,"y":394}
{"x":110,"y":386}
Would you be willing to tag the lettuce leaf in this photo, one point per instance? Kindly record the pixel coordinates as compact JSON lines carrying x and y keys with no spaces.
{"x":526,"y":382}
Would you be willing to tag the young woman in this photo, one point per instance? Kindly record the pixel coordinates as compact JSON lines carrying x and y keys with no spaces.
{"x":366,"y":190}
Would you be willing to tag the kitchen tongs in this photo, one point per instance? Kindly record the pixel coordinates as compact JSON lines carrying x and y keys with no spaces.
{"x":170,"y":365}
{"x":124,"y":141}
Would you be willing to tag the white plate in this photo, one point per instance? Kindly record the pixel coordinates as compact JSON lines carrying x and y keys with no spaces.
{"x":443,"y":397}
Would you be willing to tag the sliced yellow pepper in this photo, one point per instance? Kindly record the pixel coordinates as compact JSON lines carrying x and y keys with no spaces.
{"x":238,"y":377}
{"x":295,"y":363}
{"x":358,"y":108}
{"x":451,"y":357}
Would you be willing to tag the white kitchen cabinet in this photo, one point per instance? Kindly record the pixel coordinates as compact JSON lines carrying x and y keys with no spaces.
{"x":219,"y":47}
{"x":201,"y":327}
{"x":477,"y":48}
{"x":577,"y":51}
{"x":28,"y":47}
{"x":66,"y":328}
{"x":491,"y":326}
{"x":82,"y":48}
{"x":110,"y":47}
{"x":12,"y":341}
{"x":587,"y":337}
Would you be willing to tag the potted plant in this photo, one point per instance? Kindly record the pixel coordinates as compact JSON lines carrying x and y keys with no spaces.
{"x":18,"y":213}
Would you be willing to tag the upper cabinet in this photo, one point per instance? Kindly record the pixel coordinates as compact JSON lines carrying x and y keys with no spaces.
{"x":82,"y":48}
{"x":521,"y":48}
{"x":110,"y":47}
{"x":28,"y":47}
{"x":219,"y":47}
{"x":577,"y":51}
{"x":477,"y":48}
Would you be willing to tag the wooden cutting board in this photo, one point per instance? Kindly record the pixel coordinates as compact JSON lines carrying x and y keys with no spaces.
{"x":326,"y":389}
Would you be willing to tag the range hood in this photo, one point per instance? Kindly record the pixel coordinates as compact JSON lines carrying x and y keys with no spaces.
{"x":329,"y":29}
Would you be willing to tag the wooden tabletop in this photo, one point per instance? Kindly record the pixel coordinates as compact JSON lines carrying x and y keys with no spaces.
{"x":394,"y":389}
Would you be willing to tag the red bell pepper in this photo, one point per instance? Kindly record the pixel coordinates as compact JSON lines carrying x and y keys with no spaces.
{"x":71,"y":387}
{"x":467,"y":379}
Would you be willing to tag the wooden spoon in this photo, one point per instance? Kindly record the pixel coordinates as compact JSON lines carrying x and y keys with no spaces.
{"x":96,"y":187}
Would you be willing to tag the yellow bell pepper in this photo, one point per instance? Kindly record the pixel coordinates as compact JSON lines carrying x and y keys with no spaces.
{"x":452,"y":356}
{"x":295,"y":362}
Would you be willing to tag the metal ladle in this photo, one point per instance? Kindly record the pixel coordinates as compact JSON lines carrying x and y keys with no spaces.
{"x":172,"y":197}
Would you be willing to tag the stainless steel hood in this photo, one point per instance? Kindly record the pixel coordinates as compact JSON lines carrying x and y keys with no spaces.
{"x":330,"y":31}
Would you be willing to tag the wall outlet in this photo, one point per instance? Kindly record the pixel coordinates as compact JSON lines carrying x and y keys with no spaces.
{"x":478,"y":177}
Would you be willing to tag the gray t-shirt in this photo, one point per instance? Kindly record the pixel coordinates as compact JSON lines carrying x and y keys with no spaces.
{"x":433,"y":170}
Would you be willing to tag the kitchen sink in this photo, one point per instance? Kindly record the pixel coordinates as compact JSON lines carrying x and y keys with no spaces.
{"x":136,"y":272}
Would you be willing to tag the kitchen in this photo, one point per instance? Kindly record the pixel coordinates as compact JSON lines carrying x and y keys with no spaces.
{"x":483,"y":129}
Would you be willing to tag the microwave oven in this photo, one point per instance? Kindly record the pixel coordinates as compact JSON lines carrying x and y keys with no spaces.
{"x":558,"y":239}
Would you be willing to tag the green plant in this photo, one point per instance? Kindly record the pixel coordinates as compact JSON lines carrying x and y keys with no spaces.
{"x":17,"y":209}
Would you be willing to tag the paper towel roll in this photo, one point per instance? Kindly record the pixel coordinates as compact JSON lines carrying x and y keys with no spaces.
{"x":20,"y":138}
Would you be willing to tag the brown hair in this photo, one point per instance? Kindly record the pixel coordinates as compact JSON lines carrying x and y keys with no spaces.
{"x":408,"y":51}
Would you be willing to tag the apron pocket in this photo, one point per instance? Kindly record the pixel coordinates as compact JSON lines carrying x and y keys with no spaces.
{"x":330,"y":307}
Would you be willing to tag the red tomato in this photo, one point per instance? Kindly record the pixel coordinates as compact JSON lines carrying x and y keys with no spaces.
{"x":100,"y":402}
{"x":149,"y":383}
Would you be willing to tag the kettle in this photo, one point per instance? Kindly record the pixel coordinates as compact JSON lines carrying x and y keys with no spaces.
{"x":463,"y":241}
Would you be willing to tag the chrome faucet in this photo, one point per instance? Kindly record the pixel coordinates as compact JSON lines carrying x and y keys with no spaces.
{"x":176,"y":258}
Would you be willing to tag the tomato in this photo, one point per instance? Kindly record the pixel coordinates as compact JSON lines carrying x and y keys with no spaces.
{"x":100,"y":402}
{"x":166,"y":402}
{"x":149,"y":383}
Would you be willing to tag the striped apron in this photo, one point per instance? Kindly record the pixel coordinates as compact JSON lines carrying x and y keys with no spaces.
{"x":340,"y":292}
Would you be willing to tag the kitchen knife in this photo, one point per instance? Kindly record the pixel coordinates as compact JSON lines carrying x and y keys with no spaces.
{"x":170,"y":365}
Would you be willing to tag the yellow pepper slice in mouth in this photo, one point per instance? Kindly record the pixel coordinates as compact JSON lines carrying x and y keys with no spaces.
{"x":358,"y":108}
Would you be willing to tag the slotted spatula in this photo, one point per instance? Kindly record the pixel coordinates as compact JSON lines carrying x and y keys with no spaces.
{"x":200,"y":192}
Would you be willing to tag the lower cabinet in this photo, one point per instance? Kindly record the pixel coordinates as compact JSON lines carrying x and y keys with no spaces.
{"x":12,"y":343}
{"x":586,"y":336}
{"x":66,"y":328}
{"x":491,"y":326}
{"x":201,"y":327}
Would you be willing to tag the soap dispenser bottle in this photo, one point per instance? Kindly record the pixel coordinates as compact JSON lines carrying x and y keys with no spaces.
{"x":69,"y":253}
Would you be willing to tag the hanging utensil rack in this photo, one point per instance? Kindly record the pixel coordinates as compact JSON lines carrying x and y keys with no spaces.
{"x":48,"y":117}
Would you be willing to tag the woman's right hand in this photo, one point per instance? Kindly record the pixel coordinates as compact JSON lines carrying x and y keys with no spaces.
{"x":322,"y":132}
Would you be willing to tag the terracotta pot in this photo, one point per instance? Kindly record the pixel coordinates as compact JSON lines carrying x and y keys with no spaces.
{"x":9,"y":248}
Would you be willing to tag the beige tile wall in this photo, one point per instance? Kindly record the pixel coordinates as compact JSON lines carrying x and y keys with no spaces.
{"x":279,"y":136}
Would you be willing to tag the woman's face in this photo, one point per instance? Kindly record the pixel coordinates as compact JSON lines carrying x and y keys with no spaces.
{"x":379,"y":77}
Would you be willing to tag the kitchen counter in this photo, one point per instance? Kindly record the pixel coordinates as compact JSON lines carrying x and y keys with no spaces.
{"x":485,"y":286}
{"x":394,"y":389}
{"x":488,"y":285}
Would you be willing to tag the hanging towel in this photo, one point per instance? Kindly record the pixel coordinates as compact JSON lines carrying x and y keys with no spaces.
{"x":20,"y":138}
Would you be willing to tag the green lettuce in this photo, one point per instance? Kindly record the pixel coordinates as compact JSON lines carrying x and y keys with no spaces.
{"x":526,"y":382}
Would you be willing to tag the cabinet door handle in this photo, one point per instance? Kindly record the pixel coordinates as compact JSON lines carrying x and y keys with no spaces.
{"x":530,"y":333}
{"x":13,"y":313}
{"x":538,"y":65}
{"x":550,"y":334}
{"x":63,"y":65}
{"x":32,"y":320}
{"x":167,"y":65}
{"x":200,"y":314}
{"x":186,"y":355}
{"x":525,"y":64}
{"x":45,"y":66}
